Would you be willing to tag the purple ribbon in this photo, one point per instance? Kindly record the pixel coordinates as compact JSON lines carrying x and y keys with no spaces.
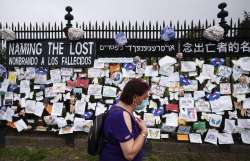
{"x":3,"y":71}
{"x":167,"y":34}
{"x":184,"y":80}
{"x":12,"y":87}
{"x":217,"y":61}
{"x":213,"y":96}
{"x":159,"y":111}
{"x":117,"y":77}
{"x":120,"y":38}
{"x":41,"y":71}
{"x":88,"y":114}
{"x":129,"y":66}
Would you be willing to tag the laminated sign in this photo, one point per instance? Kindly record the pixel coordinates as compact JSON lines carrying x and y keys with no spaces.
{"x":51,"y":53}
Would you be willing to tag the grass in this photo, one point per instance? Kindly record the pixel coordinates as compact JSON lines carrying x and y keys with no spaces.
{"x":79,"y":154}
{"x":45,"y":154}
{"x":22,"y":154}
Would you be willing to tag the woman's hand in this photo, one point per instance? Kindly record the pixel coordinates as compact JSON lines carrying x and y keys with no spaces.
{"x":142,"y":126}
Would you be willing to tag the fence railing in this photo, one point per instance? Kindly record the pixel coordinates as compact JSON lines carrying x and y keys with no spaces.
{"x":107,"y":30}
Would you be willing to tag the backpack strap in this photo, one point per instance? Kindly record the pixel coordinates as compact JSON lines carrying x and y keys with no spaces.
{"x":110,"y":140}
{"x":118,"y":108}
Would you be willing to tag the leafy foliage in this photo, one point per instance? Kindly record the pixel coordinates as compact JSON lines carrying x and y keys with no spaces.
{"x":244,"y":27}
{"x":3,"y":58}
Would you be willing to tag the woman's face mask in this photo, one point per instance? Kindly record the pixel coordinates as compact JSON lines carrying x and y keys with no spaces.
{"x":144,"y":102}
{"x":141,"y":106}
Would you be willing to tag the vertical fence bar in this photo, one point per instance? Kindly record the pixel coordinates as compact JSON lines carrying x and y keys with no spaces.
{"x":103,"y":30}
{"x":143,"y":30}
{"x":107,"y":31}
{"x":129,"y":30}
{"x":181,"y":31}
{"x":56,"y":31}
{"x":35,"y":31}
{"x":119,"y":28}
{"x":21,"y":32}
{"x":150,"y":30}
{"x":126,"y":30}
{"x":12,"y":26}
{"x":25,"y":31}
{"x":238,"y":27}
{"x":192,"y":34}
{"x":136,"y":30}
{"x":48,"y":31}
{"x":6,"y":26}
{"x":96,"y":30}
{"x":30,"y":32}
{"x":178,"y":30}
{"x":234,"y":29}
{"x":206,"y":24}
{"x":153,"y":31}
{"x":53,"y":31}
{"x":161,"y":27}
{"x":61,"y":30}
{"x":199,"y":28}
{"x":1,"y":40}
{"x":122,"y":26}
{"x":185,"y":29}
{"x":90,"y":34}
{"x":116,"y":29}
{"x":139,"y":32}
{"x":83,"y":28}
{"x":112,"y":31}
{"x":230,"y":30}
{"x":157,"y":30}
{"x":43,"y":31}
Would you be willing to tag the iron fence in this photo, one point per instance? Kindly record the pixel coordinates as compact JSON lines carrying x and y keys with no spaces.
{"x":107,"y":30}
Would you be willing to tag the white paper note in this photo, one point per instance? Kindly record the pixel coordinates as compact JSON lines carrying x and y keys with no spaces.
{"x":80,"y":107}
{"x":61,"y":122}
{"x":55,"y":75}
{"x":195,"y":138}
{"x":78,"y":124}
{"x":225,"y":138}
{"x":21,"y":125}
{"x":212,"y":136}
{"x":171,"y":119}
{"x":100,"y":108}
{"x":188,"y":66}
{"x":30,"y":106}
{"x":57,"y":109}
{"x":245,"y":136}
{"x":229,"y":126}
{"x":39,"y":109}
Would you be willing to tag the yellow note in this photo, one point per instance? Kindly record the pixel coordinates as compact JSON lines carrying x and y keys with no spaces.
{"x":12,"y":77}
{"x":182,"y":137}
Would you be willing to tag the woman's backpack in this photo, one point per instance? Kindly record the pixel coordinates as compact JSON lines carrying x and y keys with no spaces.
{"x":96,"y":136}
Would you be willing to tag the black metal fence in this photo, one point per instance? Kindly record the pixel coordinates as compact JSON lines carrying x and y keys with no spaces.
{"x":107,"y":30}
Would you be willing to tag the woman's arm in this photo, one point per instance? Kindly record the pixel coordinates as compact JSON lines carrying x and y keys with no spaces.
{"x":131,"y":147}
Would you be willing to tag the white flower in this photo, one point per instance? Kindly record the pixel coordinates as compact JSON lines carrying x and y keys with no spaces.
{"x":214,"y":33}
{"x":7,"y":34}
{"x":75,"y":33}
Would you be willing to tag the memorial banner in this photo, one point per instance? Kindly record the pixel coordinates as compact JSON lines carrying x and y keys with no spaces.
{"x":51,"y":53}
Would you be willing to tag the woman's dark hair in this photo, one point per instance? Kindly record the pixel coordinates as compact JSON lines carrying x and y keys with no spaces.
{"x":134,"y":87}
